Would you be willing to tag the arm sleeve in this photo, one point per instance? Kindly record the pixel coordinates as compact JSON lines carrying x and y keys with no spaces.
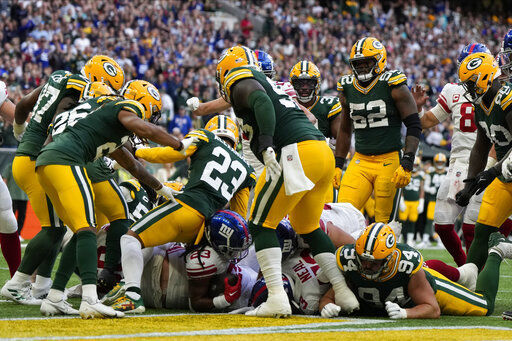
{"x":264,"y":112}
{"x":163,"y":154}
{"x":240,"y":201}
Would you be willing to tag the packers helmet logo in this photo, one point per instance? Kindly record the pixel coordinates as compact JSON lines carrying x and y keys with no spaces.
{"x":474,"y":63}
{"x":154,"y":93}
{"x":110,"y":69}
{"x":390,"y":240}
{"x":377,"y":44}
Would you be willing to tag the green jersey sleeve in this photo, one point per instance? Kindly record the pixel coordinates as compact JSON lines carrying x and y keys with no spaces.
{"x":130,"y":105}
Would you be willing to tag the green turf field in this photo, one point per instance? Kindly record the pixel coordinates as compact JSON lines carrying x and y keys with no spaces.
{"x":22,"y":322}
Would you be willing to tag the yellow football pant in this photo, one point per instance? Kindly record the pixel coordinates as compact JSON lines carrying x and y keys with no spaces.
{"x":367,"y":173}
{"x":369,"y":207}
{"x":109,"y":203}
{"x":496,"y":204}
{"x":169,"y":222}
{"x":431,"y":208}
{"x":271,"y":204}
{"x":70,"y":192}
{"x":24,"y":173}
{"x":455,"y":299}
{"x":411,"y":211}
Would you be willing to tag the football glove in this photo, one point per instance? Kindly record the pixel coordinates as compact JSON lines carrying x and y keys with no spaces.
{"x":273,"y":167}
{"x":463,"y":196}
{"x":338,"y":171}
{"x":193,"y":103}
{"x":484,"y":179}
{"x":401,"y":178}
{"x":232,"y":292}
{"x":18,"y":130}
{"x":506,"y":168}
{"x":395,"y":311}
{"x":187,"y":143}
{"x":330,"y":310}
{"x":421,"y":206}
{"x":168,"y":192}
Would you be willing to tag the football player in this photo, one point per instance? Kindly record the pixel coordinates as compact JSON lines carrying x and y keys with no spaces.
{"x":9,"y":239}
{"x":505,"y":57}
{"x":218,"y":175}
{"x":452,"y":103}
{"x":389,"y":279}
{"x":294,"y":185}
{"x":433,"y":181}
{"x":62,"y":92}
{"x":375,"y":102}
{"x":94,"y":129}
{"x":413,"y":202}
{"x":479,"y":73}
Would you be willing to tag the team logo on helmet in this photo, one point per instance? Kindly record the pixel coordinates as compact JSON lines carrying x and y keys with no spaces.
{"x":110,"y":69}
{"x":390,"y":240}
{"x":154,"y":93}
{"x":473,"y":64}
{"x":377,"y":44}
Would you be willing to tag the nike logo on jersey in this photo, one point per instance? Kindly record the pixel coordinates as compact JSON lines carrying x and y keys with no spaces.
{"x":387,"y":164}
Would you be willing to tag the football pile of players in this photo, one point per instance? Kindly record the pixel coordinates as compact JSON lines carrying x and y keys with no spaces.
{"x":276,"y":229}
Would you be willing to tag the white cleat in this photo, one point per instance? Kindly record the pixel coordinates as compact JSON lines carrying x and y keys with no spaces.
{"x":41,"y":292}
{"x":90,"y":309}
{"x":500,"y":245}
{"x":19,"y":293}
{"x":50,"y":308}
{"x":74,"y":291}
{"x":275,"y":306}
{"x":468,"y":273}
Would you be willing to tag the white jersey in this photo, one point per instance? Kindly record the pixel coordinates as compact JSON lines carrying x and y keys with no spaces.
{"x":288,"y":88}
{"x":3,"y":93}
{"x":206,"y":262}
{"x":307,"y":289}
{"x":344,"y":216}
{"x":451,"y":102}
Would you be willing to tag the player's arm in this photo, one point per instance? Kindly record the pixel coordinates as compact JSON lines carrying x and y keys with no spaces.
{"x":163,"y":154}
{"x":497,"y":167}
{"x":7,"y":110}
{"x":344,"y":134}
{"x":306,"y":112}
{"x":148,"y":130}
{"x":408,"y":112}
{"x":479,"y":153}
{"x":334,"y":125}
{"x":423,"y":296}
{"x":428,"y":119}
{"x":338,"y":236}
{"x":198,"y":295}
{"x":211,"y":107}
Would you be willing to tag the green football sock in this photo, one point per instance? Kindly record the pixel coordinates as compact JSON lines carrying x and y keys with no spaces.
{"x":319,"y":242}
{"x":41,"y":248}
{"x":45,"y":268}
{"x":86,"y":256}
{"x":429,"y":228}
{"x":66,"y":266}
{"x":477,"y":253}
{"x":115,"y":231}
{"x":488,"y":280}
{"x":263,"y":237}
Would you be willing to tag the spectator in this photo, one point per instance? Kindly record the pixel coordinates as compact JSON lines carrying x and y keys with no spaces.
{"x":182,"y":122}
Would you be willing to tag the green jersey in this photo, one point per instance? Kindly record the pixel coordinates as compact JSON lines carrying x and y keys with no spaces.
{"x":136,"y":198}
{"x":412,"y":190}
{"x":99,"y":171}
{"x":216,"y":173}
{"x":390,"y":286}
{"x":61,"y":84}
{"x":326,"y":109}
{"x":88,"y":132}
{"x":291,"y":125}
{"x":376,"y":119}
{"x":433,"y":181}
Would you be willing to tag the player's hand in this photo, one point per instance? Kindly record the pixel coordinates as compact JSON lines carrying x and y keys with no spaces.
{"x":420,"y":96}
{"x":18,"y":130}
{"x":193,"y":103}
{"x":395,"y":311}
{"x":344,"y":297}
{"x":187,"y":143}
{"x":336,"y":182}
{"x":138,"y":143}
{"x":330,"y":310}
{"x":168,"y":192}
{"x":401,"y":178}
{"x":232,"y":292}
{"x":401,"y":206}
{"x":270,"y":161}
{"x":463,"y":196}
{"x":484,"y":179}
{"x":421,"y":206}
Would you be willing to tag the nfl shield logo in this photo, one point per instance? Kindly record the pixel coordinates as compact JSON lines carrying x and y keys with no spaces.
{"x":289,"y":158}
{"x":457,"y":174}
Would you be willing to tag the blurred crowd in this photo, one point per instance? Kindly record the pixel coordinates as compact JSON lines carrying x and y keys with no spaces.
{"x":175,"y":44}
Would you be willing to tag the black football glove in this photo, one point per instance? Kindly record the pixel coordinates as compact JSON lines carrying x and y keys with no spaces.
{"x":462,"y":197}
{"x":484,"y":179}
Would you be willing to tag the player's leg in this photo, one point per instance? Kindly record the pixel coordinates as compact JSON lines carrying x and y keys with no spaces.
{"x":110,"y":202}
{"x":429,"y":225}
{"x":496,"y":207}
{"x":383,"y":169}
{"x":171,"y":221}
{"x":356,"y":185}
{"x":9,"y":238}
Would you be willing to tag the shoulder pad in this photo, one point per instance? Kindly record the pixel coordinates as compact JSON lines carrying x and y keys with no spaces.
{"x":411,"y":260}
{"x":346,"y":257}
{"x":335,"y":109}
{"x":344,"y":80}
{"x":131,"y":184}
{"x":76,"y":82}
{"x":204,"y":262}
{"x":505,"y":95}
{"x":235,"y":75}
{"x":393,"y":77}
{"x":201,"y":134}
{"x":131,"y":105}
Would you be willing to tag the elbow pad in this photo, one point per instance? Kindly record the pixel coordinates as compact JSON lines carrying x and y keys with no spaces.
{"x":413,"y":124}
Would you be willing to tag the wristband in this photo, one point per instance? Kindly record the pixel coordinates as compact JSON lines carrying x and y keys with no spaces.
{"x":340,"y":162}
{"x":220,"y":302}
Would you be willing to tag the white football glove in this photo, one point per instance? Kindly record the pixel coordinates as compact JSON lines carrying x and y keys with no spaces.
{"x":330,"y":310}
{"x":395,"y":311}
{"x":137,"y":143}
{"x":168,"y":192}
{"x":402,"y":206}
{"x":270,"y":161}
{"x":187,"y":143}
{"x":421,"y":206}
{"x":18,"y":130}
{"x":506,"y":168}
{"x":193,"y":103}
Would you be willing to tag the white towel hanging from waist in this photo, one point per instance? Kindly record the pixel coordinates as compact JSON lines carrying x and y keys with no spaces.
{"x":295,"y":180}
